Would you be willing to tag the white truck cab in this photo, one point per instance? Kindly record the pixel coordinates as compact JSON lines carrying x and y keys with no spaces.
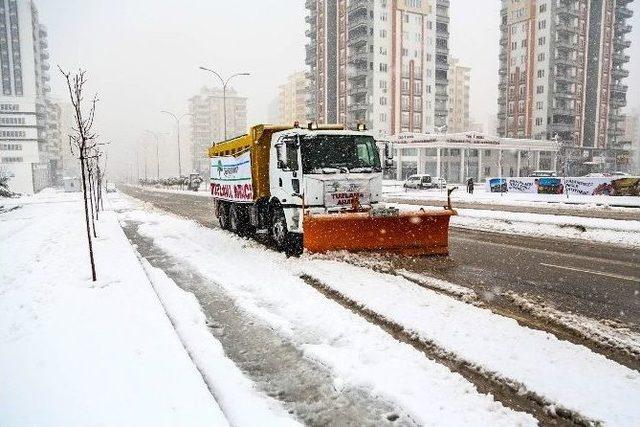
{"x":323,"y":171}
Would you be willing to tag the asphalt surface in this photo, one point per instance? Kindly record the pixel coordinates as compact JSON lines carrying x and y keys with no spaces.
{"x":597,"y":280}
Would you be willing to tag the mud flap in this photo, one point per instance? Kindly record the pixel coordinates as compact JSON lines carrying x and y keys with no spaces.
{"x":415,"y":233}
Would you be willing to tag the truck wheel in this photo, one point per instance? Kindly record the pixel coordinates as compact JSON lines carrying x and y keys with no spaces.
{"x":237,"y":219}
{"x":223,"y":215}
{"x":290,"y":243}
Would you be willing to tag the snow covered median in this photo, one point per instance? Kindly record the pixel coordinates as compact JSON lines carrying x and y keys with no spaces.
{"x":611,"y":231}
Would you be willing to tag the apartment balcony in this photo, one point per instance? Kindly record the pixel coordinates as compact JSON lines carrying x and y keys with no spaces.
{"x":622,"y":29}
{"x":567,"y":9}
{"x":356,"y":107}
{"x":623,"y":13}
{"x":564,"y":111}
{"x":44,"y":55}
{"x":618,"y":102}
{"x":361,"y":58}
{"x":502,"y":70}
{"x":564,"y":95}
{"x":311,"y":54}
{"x":442,"y":66}
{"x":358,"y":73}
{"x":357,"y":19}
{"x":359,"y":90}
{"x":564,"y":77}
{"x":358,"y":5}
{"x":619,"y":73}
{"x":562,"y":127}
{"x":620,"y":58}
{"x":564,"y":60}
{"x":620,"y":44}
{"x":442,"y":31}
{"x":566,"y":26}
{"x":616,"y":118}
{"x":503,"y":41}
{"x":440,"y":50}
{"x":311,"y":4}
{"x":565,"y":43}
{"x":310,"y":19}
{"x":616,"y":87}
{"x":43,"y":43}
{"x":359,"y":39}
{"x":503,"y":56}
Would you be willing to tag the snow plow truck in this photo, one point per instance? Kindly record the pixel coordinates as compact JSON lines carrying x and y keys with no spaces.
{"x":317,"y":188}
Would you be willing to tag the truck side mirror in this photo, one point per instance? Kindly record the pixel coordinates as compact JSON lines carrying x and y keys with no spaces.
{"x":388,"y":151}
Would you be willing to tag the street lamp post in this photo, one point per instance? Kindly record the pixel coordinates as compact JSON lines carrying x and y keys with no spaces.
{"x":157,"y":152}
{"x":224,"y":93}
{"x":177,"y":119}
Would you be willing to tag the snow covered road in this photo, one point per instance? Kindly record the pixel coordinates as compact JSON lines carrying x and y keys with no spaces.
{"x":335,"y":337}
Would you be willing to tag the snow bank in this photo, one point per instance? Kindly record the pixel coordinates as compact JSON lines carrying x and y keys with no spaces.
{"x":611,"y":231}
{"x":77,"y":353}
{"x":242,"y":404}
{"x":569,"y":375}
{"x":360,"y":354}
{"x":394,"y":189}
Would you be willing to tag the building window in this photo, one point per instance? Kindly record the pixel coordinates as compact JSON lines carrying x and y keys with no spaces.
{"x":542,"y":41}
{"x":540,"y":73}
{"x":383,"y":100}
{"x":543,"y":8}
{"x":410,"y":152}
{"x":539,"y":121}
{"x":383,"y":67}
{"x":542,"y":24}
{"x":541,"y":57}
{"x":540,"y":89}
{"x":12,"y":160}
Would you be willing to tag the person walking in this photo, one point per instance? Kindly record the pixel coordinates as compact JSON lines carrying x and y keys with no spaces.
{"x":470,"y":185}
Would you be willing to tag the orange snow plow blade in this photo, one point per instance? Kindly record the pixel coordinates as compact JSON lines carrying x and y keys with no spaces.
{"x":415,"y":233}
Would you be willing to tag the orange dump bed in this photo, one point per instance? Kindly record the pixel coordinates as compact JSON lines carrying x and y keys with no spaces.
{"x":415,"y":233}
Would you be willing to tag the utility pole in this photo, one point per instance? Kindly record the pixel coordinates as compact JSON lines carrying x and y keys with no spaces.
{"x":177,"y":119}
{"x":224,"y":93}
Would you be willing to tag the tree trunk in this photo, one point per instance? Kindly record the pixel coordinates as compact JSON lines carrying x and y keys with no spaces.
{"x":86,"y":216}
{"x":93,"y":223}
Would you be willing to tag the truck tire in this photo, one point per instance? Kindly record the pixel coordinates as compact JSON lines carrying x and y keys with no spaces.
{"x":223,"y":215}
{"x":289,"y":243}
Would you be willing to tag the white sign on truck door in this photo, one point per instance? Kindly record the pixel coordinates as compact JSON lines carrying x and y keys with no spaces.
{"x":231,"y":178}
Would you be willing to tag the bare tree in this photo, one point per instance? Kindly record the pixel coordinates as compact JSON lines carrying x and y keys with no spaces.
{"x":84,"y":139}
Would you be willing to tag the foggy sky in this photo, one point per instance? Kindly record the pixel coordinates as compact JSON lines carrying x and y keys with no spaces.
{"x":142,"y":57}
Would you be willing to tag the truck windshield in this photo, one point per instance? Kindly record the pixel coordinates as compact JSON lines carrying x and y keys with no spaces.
{"x":339,"y":153}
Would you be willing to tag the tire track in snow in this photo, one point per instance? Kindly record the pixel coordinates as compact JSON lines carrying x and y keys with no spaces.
{"x":509,"y":393}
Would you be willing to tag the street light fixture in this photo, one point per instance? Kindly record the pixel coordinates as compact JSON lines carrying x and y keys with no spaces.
{"x":224,"y":92}
{"x":177,"y":119}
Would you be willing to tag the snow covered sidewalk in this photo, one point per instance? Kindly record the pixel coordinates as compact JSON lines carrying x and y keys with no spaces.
{"x":77,"y":353}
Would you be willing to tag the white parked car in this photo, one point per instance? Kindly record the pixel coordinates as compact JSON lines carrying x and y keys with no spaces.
{"x":420,"y":181}
{"x":440,"y":182}
{"x":111,"y":187}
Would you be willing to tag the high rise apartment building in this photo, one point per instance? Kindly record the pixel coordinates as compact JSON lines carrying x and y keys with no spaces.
{"x":458,"y":86}
{"x":292,"y":99}
{"x":27,"y":153}
{"x":207,"y":122}
{"x":379,"y":62}
{"x":562,"y":71}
